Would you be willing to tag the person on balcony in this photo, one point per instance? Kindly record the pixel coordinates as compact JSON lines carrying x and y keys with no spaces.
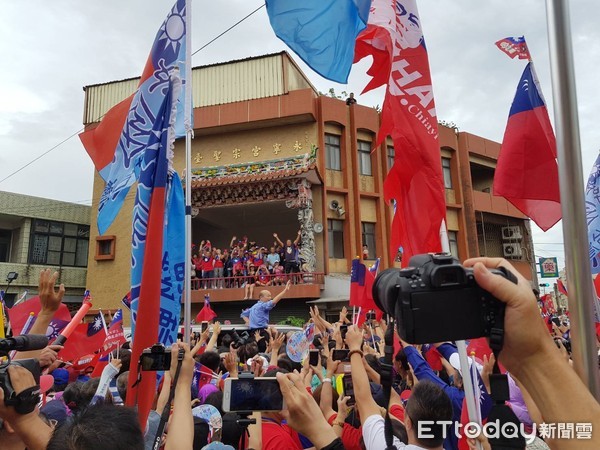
{"x":272,"y":258}
{"x":291,"y":255}
{"x":257,"y":316}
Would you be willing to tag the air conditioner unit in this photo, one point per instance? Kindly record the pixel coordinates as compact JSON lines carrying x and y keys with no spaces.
{"x":511,"y":233}
{"x":513,"y":251}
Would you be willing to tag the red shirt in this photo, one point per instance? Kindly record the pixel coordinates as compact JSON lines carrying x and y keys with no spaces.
{"x":218,"y":263}
{"x":398,"y":412}
{"x":279,"y":437}
{"x":197,"y":263}
{"x":350,"y":436}
{"x":207,"y":263}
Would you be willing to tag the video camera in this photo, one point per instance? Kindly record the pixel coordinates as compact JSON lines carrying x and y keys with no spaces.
{"x":436,"y":299}
{"x":25,"y":401}
{"x":155,"y":358}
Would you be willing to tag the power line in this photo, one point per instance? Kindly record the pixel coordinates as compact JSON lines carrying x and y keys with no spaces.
{"x":228,"y":29}
{"x":79,"y":131}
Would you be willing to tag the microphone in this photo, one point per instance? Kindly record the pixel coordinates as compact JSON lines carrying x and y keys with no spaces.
{"x":23,"y":343}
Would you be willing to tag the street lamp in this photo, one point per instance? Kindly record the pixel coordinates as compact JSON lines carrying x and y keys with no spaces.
{"x":544,"y":285}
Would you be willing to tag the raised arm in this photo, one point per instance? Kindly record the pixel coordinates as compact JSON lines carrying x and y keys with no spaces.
{"x":277,"y":239}
{"x":298,"y":237}
{"x":362,"y":390}
{"x":232,"y":241}
{"x":282,"y":293}
{"x":181,"y":426}
{"x":531,"y":356}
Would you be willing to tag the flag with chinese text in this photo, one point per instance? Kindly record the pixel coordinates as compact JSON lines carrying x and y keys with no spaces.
{"x":394,"y":38}
{"x":117,"y":144}
{"x":514,"y":47}
{"x":151,"y":250}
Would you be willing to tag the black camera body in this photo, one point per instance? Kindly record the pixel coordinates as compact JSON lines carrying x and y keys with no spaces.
{"x":156,"y":358}
{"x":20,"y":402}
{"x":436,"y":299}
{"x":239,"y":340}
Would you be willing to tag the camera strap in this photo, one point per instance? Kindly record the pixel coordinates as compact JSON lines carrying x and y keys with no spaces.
{"x":164,"y":417}
{"x":386,"y":383}
{"x":500,"y":393}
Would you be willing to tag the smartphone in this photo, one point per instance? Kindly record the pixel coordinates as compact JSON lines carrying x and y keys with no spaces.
{"x":204,"y":326}
{"x":341,"y":355}
{"x":155,"y":361}
{"x":343,"y":331}
{"x":252,"y":394}
{"x":349,"y":389}
{"x":313,"y":357}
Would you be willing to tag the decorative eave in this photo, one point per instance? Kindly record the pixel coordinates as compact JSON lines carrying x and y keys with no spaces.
{"x":302,"y":165}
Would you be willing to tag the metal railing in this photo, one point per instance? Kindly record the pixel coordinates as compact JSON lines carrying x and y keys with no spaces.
{"x":235,"y":282}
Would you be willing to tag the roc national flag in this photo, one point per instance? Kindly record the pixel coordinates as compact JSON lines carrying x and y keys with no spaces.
{"x":20,"y":313}
{"x":357,"y":282}
{"x":394,"y":38}
{"x":85,"y":339}
{"x":153,"y":215}
{"x":321,"y":32}
{"x":206,"y":314}
{"x":117,"y":144}
{"x":527,"y":172}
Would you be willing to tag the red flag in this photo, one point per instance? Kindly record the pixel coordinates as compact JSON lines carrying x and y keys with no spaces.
{"x":563,"y":289}
{"x":115,"y":335}
{"x":85,"y":339}
{"x":19,"y":314}
{"x":206,"y":314}
{"x":415,"y":183}
{"x":357,"y":282}
{"x":513,"y":47}
{"x":527,"y":172}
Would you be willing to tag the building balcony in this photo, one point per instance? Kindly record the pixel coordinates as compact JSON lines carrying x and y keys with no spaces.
{"x":486,"y":202}
{"x":230,"y":289}
{"x":29,"y":274}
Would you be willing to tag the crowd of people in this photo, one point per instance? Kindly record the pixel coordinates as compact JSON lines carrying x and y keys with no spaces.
{"x":246,"y":264}
{"x":329,"y":403}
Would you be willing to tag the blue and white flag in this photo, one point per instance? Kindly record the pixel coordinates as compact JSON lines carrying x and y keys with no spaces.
{"x":592,"y":213}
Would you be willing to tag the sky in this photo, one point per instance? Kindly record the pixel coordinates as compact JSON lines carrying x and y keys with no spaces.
{"x":52,"y":49}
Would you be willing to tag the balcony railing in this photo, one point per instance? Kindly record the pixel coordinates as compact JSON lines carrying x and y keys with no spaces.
{"x":304,"y":285}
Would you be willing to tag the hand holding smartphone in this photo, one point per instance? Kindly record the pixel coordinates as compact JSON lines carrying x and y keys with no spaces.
{"x":252,"y":394}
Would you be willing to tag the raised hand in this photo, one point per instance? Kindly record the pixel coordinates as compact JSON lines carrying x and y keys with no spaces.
{"x":50,"y":299}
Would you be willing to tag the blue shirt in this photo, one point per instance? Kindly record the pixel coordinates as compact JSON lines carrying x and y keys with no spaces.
{"x":259,"y":314}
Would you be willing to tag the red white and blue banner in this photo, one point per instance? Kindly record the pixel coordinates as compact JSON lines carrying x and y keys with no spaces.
{"x":394,"y":38}
{"x":514,"y":47}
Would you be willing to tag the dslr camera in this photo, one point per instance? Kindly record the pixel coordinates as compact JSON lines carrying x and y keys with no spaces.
{"x":436,"y":299}
{"x":238,"y":340}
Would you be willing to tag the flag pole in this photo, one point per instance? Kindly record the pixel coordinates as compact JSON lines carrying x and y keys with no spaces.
{"x":461,"y":346}
{"x":573,"y":205}
{"x":189,"y":129}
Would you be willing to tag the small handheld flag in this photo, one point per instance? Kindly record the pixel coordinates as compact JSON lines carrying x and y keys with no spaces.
{"x":514,"y":47}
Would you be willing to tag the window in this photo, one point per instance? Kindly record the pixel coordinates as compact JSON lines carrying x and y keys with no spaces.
{"x":335,"y":232}
{"x":333,"y":157}
{"x":5,"y":240}
{"x":364,"y":157}
{"x":447,"y":173}
{"x":453,"y":241}
{"x":368,"y":238}
{"x":59,"y":244}
{"x":105,"y":248}
{"x":391,"y":154}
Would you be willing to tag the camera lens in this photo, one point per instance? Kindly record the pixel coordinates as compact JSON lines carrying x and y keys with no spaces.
{"x":385,"y":290}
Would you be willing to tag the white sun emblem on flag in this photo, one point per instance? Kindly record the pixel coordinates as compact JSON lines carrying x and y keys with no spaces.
{"x":97,"y":323}
{"x":173,"y":29}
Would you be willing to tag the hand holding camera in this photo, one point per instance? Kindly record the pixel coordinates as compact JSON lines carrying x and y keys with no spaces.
{"x":525,"y":332}
{"x":354,"y":338}
{"x":24,"y":396}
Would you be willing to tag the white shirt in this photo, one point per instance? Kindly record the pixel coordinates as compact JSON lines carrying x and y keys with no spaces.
{"x":373,"y":431}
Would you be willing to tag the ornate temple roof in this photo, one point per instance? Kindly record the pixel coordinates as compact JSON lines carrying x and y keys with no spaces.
{"x":252,"y":172}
